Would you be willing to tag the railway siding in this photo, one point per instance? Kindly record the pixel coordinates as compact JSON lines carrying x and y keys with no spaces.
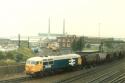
{"x":115,"y":68}
{"x":15,"y":80}
{"x":106,"y":75}
{"x":118,"y":79}
{"x":103,"y":78}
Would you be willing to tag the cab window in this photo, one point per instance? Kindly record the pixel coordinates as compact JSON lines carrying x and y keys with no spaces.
{"x":33,"y":62}
{"x":51,"y":62}
{"x":40,"y":62}
{"x":37,"y":62}
{"x":45,"y":63}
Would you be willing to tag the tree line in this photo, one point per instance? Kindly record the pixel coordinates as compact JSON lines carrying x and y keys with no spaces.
{"x":78,"y":44}
{"x":16,"y":56}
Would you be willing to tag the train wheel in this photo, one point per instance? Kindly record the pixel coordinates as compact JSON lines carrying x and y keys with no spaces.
{"x":121,"y":55}
{"x":94,"y":65}
{"x":87,"y":66}
{"x":33,"y":75}
{"x":52,"y":72}
{"x":79,"y":67}
{"x":108,"y":58}
{"x":40,"y":74}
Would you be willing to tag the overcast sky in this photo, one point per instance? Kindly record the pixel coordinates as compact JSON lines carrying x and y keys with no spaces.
{"x":30,"y":17}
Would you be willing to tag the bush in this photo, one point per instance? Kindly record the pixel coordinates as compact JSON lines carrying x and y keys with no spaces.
{"x":19,"y":55}
{"x":10,"y":55}
{"x":23,"y":53}
{"x":7,"y":62}
{"x":78,"y":45}
{"x":2,"y":55}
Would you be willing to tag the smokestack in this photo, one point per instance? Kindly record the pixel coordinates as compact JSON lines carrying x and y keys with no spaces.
{"x":48,"y":27}
{"x":63,"y":26}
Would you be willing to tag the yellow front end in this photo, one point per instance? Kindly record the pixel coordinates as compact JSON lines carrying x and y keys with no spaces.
{"x":33,"y":68}
{"x":79,"y":61}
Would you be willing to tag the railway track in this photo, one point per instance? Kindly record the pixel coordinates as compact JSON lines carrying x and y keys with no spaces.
{"x":109,"y":77}
{"x":80,"y":76}
{"x":71,"y":79}
{"x":103,"y":78}
{"x":16,"y":80}
{"x":119,"y":79}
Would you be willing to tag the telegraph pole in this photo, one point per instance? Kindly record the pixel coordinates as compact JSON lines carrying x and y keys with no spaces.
{"x":28,"y":43}
{"x":99,"y":34}
{"x":18,"y":40}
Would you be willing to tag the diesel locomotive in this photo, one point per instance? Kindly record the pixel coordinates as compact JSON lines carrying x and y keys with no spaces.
{"x":41,"y":65}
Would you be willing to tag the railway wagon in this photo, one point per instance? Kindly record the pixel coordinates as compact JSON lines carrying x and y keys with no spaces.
{"x":101,"y":57}
{"x":89,"y":58}
{"x":95,"y":57}
{"x":119,"y":54}
{"x":41,"y":65}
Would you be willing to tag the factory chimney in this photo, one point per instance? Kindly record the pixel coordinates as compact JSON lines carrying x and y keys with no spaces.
{"x":64,"y":27}
{"x":48,"y":27}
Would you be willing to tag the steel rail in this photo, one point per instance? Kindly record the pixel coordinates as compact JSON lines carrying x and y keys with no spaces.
{"x":84,"y":74}
{"x":16,"y":80}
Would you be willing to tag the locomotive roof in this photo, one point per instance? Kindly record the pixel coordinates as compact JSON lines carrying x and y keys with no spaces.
{"x":35,"y":58}
{"x":67,"y":56}
{"x":87,"y":52}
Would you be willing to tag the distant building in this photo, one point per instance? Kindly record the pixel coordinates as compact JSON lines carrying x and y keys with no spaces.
{"x":65,"y":41}
{"x":43,"y":42}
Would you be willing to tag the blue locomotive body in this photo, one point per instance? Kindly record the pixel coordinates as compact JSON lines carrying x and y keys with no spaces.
{"x":52,"y":63}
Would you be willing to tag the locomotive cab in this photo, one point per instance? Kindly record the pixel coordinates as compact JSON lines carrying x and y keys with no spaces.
{"x":34,"y":65}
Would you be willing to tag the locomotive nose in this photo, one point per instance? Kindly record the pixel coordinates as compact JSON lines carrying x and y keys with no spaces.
{"x":30,"y":69}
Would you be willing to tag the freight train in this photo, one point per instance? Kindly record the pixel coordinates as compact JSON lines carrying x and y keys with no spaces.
{"x":42,"y":65}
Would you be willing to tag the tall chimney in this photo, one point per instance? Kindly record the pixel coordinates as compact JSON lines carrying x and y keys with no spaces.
{"x":63,"y":26}
{"x":48,"y":27}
